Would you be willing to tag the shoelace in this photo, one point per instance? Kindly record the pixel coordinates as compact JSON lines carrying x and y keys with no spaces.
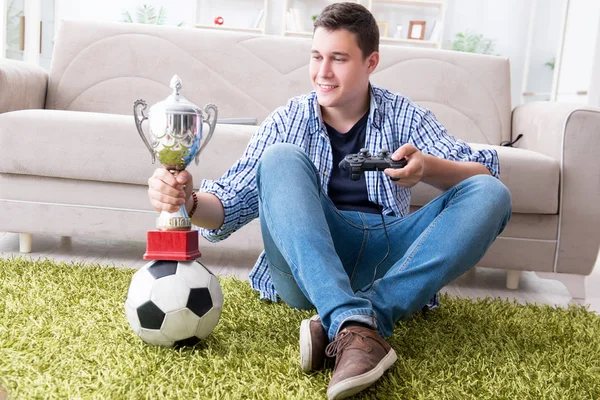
{"x":343,"y":339}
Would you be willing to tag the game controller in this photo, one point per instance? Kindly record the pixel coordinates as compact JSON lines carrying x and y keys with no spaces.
{"x":355,"y":164}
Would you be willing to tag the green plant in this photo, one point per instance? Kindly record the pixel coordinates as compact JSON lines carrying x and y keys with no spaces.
{"x":147,"y":14}
{"x":551,"y":63}
{"x":470,"y":42}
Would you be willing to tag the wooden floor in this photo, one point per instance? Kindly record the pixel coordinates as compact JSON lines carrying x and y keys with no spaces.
{"x":484,"y":282}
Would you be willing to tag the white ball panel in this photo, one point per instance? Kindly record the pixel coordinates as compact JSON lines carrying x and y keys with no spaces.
{"x":155,"y":337}
{"x":181,"y":324}
{"x":216,"y":293}
{"x":170,"y":293}
{"x":194,"y":274}
{"x":140,"y":288}
{"x":208,"y":322}
{"x":132,"y":317}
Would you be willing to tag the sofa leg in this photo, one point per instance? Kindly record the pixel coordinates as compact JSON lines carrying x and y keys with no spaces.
{"x":575,"y":283}
{"x":25,"y":240}
{"x":512,"y":279}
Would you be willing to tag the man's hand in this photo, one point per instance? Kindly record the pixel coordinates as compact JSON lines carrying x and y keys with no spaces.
{"x":412,"y":173}
{"x":168,"y":192}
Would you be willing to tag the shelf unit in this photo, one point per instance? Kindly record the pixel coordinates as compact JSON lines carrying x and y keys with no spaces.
{"x":394,"y":13}
{"x":247,"y":16}
{"x":298,"y":13}
{"x":296,"y":17}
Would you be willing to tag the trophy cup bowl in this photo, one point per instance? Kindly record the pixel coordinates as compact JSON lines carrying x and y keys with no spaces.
{"x":175,"y":139}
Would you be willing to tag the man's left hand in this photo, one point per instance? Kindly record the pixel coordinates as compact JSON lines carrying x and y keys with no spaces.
{"x":412,"y":173}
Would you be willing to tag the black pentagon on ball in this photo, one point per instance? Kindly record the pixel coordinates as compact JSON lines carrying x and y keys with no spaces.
{"x":189,"y":342}
{"x":199,"y":301}
{"x":162,"y":268}
{"x":151,"y":317}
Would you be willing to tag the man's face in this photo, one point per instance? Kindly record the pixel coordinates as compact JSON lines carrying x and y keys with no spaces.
{"x":338,"y":72}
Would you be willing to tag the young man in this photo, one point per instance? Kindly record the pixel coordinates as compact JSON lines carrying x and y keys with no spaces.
{"x":349,"y":248}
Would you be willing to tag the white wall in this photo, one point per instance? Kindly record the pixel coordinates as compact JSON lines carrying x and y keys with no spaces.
{"x":579,"y":50}
{"x":504,"y":21}
{"x":594,"y":97}
{"x":3,"y":7}
{"x":112,"y":10}
{"x":545,"y":42}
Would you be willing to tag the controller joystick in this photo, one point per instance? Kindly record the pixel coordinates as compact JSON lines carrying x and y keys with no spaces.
{"x":356,"y":164}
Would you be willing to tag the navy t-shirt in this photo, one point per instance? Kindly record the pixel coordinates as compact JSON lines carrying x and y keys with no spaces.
{"x":345,"y":193}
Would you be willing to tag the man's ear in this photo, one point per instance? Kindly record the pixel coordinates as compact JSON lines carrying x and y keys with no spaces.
{"x":373,"y":61}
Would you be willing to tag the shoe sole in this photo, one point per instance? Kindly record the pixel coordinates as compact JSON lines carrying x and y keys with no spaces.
{"x":353,"y":385}
{"x":305,"y":346}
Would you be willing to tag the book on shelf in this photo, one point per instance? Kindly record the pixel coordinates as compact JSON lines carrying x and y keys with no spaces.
{"x":434,"y":34}
{"x":258,"y":18}
{"x":290,"y":22}
{"x":297,"y":20}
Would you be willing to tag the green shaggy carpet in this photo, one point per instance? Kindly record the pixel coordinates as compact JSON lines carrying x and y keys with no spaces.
{"x":63,"y":334}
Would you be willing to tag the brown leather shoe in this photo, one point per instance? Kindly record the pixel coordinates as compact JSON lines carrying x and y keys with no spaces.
{"x":362,"y":356}
{"x":313,"y":340}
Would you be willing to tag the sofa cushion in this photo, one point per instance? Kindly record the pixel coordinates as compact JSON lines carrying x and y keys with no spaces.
{"x":532,"y":178}
{"x":100,"y":147}
{"x":81,"y":138}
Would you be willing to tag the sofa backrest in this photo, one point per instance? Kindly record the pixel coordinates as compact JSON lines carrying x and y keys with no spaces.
{"x":104,"y":67}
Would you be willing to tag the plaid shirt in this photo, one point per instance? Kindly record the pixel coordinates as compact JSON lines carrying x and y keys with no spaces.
{"x":393,"y":121}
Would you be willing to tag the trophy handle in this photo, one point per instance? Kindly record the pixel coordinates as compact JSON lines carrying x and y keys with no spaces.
{"x":210,"y":117}
{"x":138,"y":124}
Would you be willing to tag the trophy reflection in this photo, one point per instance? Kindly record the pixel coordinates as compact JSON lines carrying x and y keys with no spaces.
{"x":175,"y":138}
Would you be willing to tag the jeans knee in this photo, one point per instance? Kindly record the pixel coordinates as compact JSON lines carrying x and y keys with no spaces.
{"x":278,"y":155}
{"x":494,"y":194}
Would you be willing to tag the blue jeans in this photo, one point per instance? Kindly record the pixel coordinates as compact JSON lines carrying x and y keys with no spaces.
{"x":323,"y":257}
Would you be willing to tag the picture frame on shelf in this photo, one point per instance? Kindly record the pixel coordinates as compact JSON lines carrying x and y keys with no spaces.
{"x":383,"y":28}
{"x":416,"y":30}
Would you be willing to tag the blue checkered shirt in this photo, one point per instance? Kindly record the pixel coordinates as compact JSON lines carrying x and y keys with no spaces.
{"x":393,"y":121}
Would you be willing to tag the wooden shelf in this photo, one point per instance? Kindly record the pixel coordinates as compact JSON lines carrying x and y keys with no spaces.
{"x":299,"y":34}
{"x":229,"y":28}
{"x":249,"y":16}
{"x":423,"y":13}
{"x":418,"y":3}
{"x":430,"y":43}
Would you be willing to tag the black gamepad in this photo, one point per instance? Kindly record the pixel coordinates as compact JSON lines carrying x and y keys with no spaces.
{"x":355,"y":164}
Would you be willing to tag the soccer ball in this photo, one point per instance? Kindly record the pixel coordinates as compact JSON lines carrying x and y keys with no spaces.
{"x":173,"y":302}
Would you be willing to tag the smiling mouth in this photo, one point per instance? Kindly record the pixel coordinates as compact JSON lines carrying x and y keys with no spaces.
{"x":328,"y":87}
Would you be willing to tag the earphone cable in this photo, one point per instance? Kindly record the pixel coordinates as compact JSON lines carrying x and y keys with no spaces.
{"x":384,"y":230}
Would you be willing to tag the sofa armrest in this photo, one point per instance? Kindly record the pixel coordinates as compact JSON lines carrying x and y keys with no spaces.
{"x":22,"y":85}
{"x":570,"y":134}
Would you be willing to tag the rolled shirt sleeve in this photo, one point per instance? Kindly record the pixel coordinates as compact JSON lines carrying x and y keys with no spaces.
{"x":236,"y":189}
{"x":431,"y":137}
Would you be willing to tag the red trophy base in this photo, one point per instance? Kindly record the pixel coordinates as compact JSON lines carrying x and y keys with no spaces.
{"x":172,"y":245}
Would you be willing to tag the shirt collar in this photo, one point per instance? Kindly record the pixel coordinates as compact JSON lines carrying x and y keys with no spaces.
{"x":316,"y":119}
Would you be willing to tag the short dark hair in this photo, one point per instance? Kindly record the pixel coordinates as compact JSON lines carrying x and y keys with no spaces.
{"x":352,"y":17}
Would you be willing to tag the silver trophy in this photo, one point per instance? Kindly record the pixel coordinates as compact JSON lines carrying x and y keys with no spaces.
{"x":175,"y":138}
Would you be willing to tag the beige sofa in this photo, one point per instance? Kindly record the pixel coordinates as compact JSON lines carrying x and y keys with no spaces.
{"x":72,"y":163}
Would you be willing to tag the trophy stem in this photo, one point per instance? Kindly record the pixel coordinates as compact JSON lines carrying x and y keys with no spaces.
{"x":176,"y":221}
